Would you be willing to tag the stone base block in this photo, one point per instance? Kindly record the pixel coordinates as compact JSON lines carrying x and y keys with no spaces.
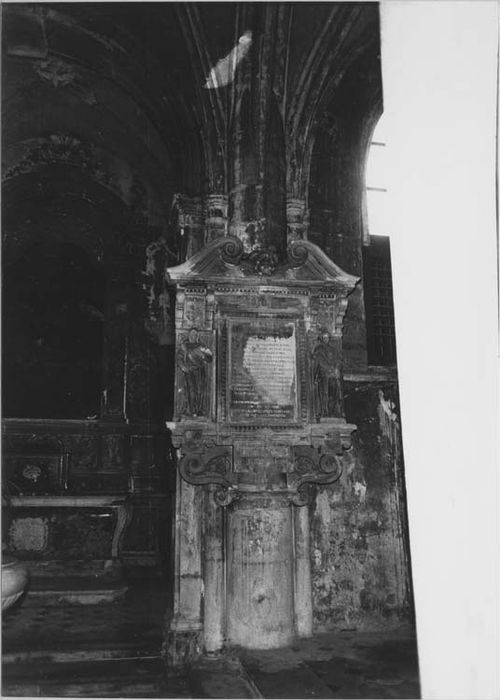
{"x":182,"y":647}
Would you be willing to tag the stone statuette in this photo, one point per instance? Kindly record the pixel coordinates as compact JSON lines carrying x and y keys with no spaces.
{"x":326,"y":378}
{"x":192,"y":360}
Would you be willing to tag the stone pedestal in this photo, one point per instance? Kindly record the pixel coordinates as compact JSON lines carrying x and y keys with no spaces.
{"x":260,"y":557}
{"x":258,"y":426}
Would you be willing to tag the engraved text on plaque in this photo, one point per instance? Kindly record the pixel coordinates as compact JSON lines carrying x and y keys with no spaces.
{"x":262,"y":377}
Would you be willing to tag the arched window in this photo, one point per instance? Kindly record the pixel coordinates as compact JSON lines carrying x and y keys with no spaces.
{"x":379,"y":306}
{"x":378,"y":222}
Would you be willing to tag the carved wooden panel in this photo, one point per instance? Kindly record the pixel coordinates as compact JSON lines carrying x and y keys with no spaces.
{"x":35,"y":474}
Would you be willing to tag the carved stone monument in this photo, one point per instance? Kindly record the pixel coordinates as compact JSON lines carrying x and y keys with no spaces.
{"x":258,"y":427}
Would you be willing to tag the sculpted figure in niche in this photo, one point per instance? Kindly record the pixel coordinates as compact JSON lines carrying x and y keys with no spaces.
{"x":193,"y":359}
{"x":327,"y":389}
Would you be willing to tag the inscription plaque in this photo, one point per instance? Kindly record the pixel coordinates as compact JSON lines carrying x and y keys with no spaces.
{"x":263,"y":371}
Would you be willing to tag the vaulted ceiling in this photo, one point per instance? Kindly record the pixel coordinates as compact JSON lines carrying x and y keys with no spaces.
{"x":104,"y":106}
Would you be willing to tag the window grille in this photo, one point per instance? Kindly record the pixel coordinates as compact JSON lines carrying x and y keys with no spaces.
{"x":379,"y":305}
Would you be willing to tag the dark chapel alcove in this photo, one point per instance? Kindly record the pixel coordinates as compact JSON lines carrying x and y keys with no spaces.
{"x":53,"y":333}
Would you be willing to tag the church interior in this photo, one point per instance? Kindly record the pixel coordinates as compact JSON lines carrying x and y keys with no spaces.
{"x":203,"y":489}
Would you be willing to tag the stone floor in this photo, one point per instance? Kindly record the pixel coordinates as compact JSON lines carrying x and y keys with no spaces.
{"x":341,"y":665}
{"x":133,"y":624}
{"x":114,"y":650}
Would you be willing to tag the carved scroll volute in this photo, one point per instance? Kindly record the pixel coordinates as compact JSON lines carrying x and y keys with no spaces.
{"x":210,"y":465}
{"x":297,"y":253}
{"x":312,"y":467}
{"x":230,"y":250}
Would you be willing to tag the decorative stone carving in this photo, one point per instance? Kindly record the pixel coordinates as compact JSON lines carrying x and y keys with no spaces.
{"x":203,"y":462}
{"x":326,"y":377}
{"x":264,"y":260}
{"x":231,"y":250}
{"x":312,"y":467}
{"x":262,"y":438}
{"x":65,"y":149}
{"x":297,"y":217}
{"x":192,"y":360}
{"x":297,"y":254}
{"x":60,"y":74}
{"x":29,"y":534}
{"x":216,"y":216}
{"x":271,"y":389}
{"x":34,"y":464}
{"x":56,"y":72}
{"x":211,"y":466}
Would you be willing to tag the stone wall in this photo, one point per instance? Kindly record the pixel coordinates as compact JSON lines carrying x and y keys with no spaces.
{"x":359,"y":548}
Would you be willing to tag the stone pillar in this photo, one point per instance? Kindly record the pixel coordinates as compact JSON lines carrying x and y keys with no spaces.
{"x":303,"y":584}
{"x":185,"y":636}
{"x":246,"y":193}
{"x":260,"y":571}
{"x":257,"y":178}
{"x":214,"y":573}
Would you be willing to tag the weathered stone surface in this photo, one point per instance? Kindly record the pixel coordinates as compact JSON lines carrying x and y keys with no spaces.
{"x":260,"y":603}
{"x":359,"y":546}
{"x":262,"y":377}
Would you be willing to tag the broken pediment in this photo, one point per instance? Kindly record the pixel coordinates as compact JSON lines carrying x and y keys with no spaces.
{"x":224,"y":261}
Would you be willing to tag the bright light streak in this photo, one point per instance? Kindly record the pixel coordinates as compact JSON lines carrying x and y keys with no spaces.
{"x":224,"y":71}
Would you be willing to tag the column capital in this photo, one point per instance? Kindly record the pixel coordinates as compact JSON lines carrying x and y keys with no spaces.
{"x":216,"y":207}
{"x":297,"y":218}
